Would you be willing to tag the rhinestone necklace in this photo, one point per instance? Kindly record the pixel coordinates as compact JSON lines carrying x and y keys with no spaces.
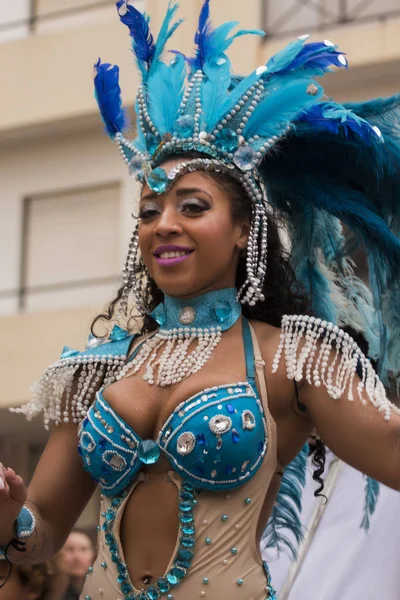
{"x":189,"y":332}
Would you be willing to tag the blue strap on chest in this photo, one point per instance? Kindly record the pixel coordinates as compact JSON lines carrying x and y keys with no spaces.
{"x":248,"y":351}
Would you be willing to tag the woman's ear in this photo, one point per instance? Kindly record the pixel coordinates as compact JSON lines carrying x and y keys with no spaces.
{"x":243,"y":235}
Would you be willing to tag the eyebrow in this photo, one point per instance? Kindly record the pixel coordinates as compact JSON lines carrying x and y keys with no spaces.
{"x":184,"y":191}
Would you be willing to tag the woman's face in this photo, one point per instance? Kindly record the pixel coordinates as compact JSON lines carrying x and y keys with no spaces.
{"x":187,"y":237}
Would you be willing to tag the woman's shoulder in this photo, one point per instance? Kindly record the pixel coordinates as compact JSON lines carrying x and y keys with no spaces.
{"x":268,"y":336}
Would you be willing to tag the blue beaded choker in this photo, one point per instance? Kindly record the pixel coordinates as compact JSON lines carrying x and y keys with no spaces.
{"x":218,"y":309}
{"x":189,"y":332}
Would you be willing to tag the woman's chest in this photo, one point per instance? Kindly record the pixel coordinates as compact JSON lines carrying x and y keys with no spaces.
{"x":146,"y":408}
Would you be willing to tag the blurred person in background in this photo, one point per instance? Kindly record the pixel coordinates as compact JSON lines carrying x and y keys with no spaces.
{"x":75,"y":559}
{"x":221,"y":302}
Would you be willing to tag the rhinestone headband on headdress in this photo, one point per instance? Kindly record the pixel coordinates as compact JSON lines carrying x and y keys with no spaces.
{"x":339,"y":171}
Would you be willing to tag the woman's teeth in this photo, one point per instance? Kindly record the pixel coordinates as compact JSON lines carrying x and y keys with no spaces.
{"x":173,"y":254}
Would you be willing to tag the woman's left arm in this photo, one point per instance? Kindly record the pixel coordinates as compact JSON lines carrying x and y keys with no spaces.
{"x":356,"y":433}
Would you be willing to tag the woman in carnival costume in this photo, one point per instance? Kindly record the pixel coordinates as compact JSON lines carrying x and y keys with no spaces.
{"x":173,"y":416}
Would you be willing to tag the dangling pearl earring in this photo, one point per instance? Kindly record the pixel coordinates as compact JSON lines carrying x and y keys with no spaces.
{"x":134,"y":277}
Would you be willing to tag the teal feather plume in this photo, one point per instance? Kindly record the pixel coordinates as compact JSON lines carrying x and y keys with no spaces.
{"x":282,"y":59}
{"x":212,"y":43}
{"x":359,"y":184}
{"x":314,"y":59}
{"x":165,"y":88}
{"x":165,"y":83}
{"x":140,"y":141}
{"x":284,"y":522}
{"x":166,"y":31}
{"x":282,"y":107}
{"x":214,"y":91}
{"x":372,"y":490}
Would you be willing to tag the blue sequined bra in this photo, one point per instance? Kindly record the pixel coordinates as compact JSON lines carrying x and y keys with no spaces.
{"x":215,"y":440}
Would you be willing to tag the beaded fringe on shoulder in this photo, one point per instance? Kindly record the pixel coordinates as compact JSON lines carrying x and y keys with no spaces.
{"x":67,"y":388}
{"x":324,"y":354}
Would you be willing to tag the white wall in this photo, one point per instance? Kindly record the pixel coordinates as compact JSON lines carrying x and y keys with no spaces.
{"x":58,"y":163}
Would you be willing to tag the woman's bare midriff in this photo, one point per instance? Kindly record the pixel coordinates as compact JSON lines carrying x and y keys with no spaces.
{"x":149,"y":528}
{"x":149,"y":533}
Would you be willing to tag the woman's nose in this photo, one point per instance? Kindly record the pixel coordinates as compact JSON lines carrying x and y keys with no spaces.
{"x":167,"y":224}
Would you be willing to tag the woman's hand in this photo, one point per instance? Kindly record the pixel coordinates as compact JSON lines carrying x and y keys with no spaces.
{"x":12,"y":497}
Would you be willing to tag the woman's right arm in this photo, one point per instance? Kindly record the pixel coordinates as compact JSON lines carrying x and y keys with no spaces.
{"x":58,"y":493}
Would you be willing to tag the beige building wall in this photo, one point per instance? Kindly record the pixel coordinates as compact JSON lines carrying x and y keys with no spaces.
{"x":51,"y":141}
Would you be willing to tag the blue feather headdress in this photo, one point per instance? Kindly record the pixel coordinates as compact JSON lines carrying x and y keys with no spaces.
{"x":343,"y":160}
{"x":322,"y":166}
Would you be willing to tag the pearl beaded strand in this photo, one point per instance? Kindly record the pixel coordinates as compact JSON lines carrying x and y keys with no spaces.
{"x":176,"y":361}
{"x":315,"y":361}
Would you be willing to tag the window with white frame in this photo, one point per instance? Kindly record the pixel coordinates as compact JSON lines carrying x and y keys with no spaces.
{"x":71,"y":248}
{"x":46,"y":7}
{"x":291,"y":17}
{"x":14,"y":19}
{"x":58,"y":15}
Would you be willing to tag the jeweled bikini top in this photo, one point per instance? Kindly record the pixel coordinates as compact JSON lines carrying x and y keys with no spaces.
{"x":216,"y":439}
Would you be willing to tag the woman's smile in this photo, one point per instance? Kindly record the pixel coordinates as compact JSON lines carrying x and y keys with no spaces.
{"x":170,"y":255}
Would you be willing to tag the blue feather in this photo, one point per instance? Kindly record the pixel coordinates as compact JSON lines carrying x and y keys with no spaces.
{"x":108,"y":96}
{"x":334,"y":118}
{"x":212,"y":43}
{"x":281,"y":60}
{"x":281,"y":107}
{"x":359,"y":184}
{"x":286,"y":512}
{"x":165,"y":92}
{"x":309,"y":274}
{"x":319,"y":56}
{"x":314,"y":58}
{"x":203,"y":30}
{"x":391,"y":316}
{"x":166,"y":30}
{"x":142,"y":39}
{"x":372,"y":489}
{"x":314,"y":233}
